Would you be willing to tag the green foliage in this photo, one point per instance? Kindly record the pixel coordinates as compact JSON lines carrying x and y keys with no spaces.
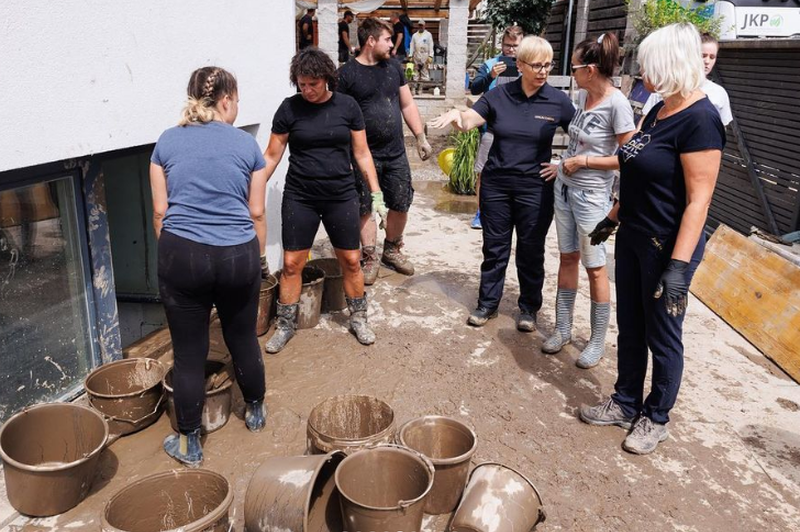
{"x":462,"y":175}
{"x":655,"y":14}
{"x":531,"y":15}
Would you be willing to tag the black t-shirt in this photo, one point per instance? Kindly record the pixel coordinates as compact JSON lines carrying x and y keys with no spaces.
{"x":303,"y":42}
{"x":343,"y":28}
{"x":523,"y":128}
{"x":652,"y":194}
{"x":377,"y":91}
{"x":400,"y":30}
{"x":320,"y":166}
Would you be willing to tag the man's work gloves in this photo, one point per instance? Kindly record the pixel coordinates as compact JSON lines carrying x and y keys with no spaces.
{"x":604,"y":229}
{"x":423,"y":147}
{"x":673,"y":287}
{"x":379,"y":207}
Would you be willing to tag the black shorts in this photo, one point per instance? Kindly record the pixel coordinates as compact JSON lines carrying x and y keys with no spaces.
{"x":300,"y":219}
{"x":394,"y":177}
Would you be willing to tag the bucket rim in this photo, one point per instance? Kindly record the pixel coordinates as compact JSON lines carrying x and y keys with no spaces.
{"x":525,"y":478}
{"x":390,"y":447}
{"x":271,"y":279}
{"x":128,"y":361}
{"x":319,"y":279}
{"x":216,"y":391}
{"x":442,"y":461}
{"x":201,"y":524}
{"x":327,"y":260}
{"x":49,"y":469}
{"x":363,"y":439}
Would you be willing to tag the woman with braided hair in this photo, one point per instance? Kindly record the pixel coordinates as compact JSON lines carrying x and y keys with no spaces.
{"x":209,"y":183}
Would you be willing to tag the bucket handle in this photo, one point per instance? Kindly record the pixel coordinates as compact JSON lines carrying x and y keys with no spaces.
{"x":427,"y":461}
{"x":132,"y":421}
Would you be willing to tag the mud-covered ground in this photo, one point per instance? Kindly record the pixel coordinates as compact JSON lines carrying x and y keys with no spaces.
{"x":732,"y":461}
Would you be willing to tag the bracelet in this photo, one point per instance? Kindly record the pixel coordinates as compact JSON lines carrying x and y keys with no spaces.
{"x":587,"y":162}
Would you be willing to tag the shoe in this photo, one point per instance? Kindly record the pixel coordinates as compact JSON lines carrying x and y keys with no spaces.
{"x":555,"y":343}
{"x":645,"y":436}
{"x":526,"y":322}
{"x":607,"y":413}
{"x":255,"y":416}
{"x":369,"y":265}
{"x":394,"y":258}
{"x":596,"y":348}
{"x":284,"y":329}
{"x":358,"y":320}
{"x":185,"y":448}
{"x":480,"y":316}
{"x":476,"y":222}
{"x":562,"y":335}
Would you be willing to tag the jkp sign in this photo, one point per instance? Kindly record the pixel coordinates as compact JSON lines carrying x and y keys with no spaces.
{"x":767,"y":21}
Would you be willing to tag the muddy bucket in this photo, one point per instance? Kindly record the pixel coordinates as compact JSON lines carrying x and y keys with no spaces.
{"x":265,"y":298}
{"x":310,"y":297}
{"x":498,"y":497}
{"x":384,"y":488}
{"x":219,"y":397}
{"x":186,"y":500}
{"x":128,"y":393}
{"x":448,"y":444}
{"x":333,"y":290}
{"x":295,"y":493}
{"x":349,"y":423}
{"x":50,"y":454}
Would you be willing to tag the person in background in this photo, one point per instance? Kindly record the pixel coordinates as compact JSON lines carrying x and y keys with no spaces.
{"x":516,"y":188}
{"x":603,"y":122}
{"x":492,"y":73}
{"x":421,"y":50}
{"x":716,"y":94}
{"x":209,"y":186}
{"x":398,"y":38}
{"x":668,"y":171}
{"x":305,"y":27}
{"x":322,"y":128}
{"x":378,"y":84}
{"x":344,"y":36}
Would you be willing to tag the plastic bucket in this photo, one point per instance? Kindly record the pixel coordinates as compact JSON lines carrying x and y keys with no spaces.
{"x":217,"y":407}
{"x":349,"y":423}
{"x":384,"y":488}
{"x":128,"y":393}
{"x":333,"y":298}
{"x":295,"y":493}
{"x":186,"y":500}
{"x":265,"y":298}
{"x":498,"y":497}
{"x":310,"y":304}
{"x":449,"y":445}
{"x":50,"y":454}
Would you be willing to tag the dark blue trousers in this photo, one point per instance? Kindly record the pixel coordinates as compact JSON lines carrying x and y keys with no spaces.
{"x":644,"y":323}
{"x":524,"y":204}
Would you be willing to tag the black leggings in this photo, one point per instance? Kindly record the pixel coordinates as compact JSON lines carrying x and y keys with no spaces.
{"x":191,"y":278}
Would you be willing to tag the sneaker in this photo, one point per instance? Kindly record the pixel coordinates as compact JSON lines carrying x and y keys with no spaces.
{"x":476,"y":222}
{"x":645,"y":436}
{"x":480,"y":316}
{"x":607,"y":413}
{"x":369,"y":265}
{"x":526,"y":322}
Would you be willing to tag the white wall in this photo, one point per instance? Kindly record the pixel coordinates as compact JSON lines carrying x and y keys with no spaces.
{"x":83,"y":77}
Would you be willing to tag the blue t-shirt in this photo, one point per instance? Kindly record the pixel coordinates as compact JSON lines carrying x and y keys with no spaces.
{"x":208,"y":169}
{"x":652,"y":195}
{"x":523,"y":127}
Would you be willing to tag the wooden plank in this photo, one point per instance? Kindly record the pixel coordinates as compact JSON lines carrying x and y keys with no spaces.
{"x":756,"y":291}
{"x":154,"y":345}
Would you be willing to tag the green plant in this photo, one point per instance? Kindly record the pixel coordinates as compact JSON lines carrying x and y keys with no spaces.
{"x":654,"y":14}
{"x":462,"y":174}
{"x":530,"y":14}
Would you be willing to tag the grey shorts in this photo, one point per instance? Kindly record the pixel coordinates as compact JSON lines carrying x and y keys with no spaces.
{"x":394,"y":178}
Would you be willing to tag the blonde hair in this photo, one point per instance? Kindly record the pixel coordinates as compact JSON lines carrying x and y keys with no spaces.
{"x":671,"y":60}
{"x":533,"y":48}
{"x":207,"y":86}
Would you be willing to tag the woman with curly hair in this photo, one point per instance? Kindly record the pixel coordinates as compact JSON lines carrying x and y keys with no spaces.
{"x":322,"y":129}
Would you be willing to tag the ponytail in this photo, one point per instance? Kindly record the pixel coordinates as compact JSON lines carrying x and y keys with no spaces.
{"x":602,"y":52}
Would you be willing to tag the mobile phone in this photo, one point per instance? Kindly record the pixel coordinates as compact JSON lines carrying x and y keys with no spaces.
{"x":511,"y":67}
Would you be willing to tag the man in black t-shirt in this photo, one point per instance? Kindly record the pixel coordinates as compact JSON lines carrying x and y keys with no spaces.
{"x":344,"y":36}
{"x":305,"y":28}
{"x":378,"y":84}
{"x":398,"y":38}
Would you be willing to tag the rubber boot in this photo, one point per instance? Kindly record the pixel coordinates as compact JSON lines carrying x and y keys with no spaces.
{"x":284,"y":328}
{"x":562,"y":335}
{"x":394,"y":258}
{"x":255,"y":415}
{"x":358,"y":320}
{"x":185,"y":448}
{"x":369,"y":264}
{"x":594,"y":351}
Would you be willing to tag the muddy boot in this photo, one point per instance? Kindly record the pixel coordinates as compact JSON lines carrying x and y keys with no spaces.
{"x":594,"y":351}
{"x":255,"y":416}
{"x":394,"y":258}
{"x":369,"y":264}
{"x":358,"y":320}
{"x":562,"y":335}
{"x":284,"y":329}
{"x":185,"y":448}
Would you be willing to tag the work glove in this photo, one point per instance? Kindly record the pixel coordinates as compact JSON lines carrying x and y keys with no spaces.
{"x":423,"y":147}
{"x":264,"y":266}
{"x":378,"y":206}
{"x":673,"y":287}
{"x":604,"y":229}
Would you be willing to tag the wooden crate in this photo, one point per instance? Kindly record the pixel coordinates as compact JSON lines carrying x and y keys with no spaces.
{"x":756,"y":291}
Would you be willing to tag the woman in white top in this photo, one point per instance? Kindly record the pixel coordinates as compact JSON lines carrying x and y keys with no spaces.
{"x":603,"y":122}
